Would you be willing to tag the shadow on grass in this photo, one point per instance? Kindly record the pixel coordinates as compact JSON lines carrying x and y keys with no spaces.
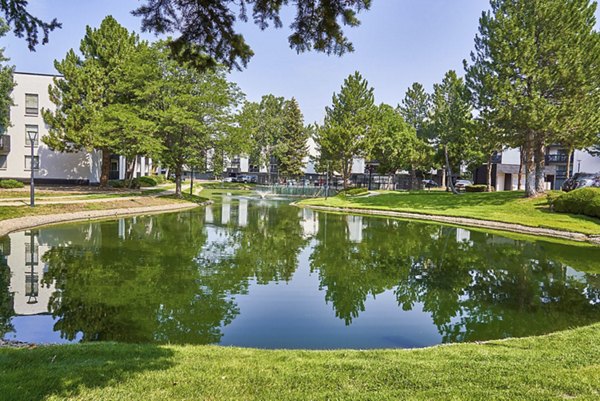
{"x":64,"y":371}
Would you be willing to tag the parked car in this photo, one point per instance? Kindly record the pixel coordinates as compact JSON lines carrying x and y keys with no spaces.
{"x":246,"y":179}
{"x":461,"y":185}
{"x":581,"y":180}
{"x":429,"y":184}
{"x":229,"y":179}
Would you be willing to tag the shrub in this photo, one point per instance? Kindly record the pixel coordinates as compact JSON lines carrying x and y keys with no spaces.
{"x":580,"y":201}
{"x":159,"y":178}
{"x":147,"y":181}
{"x":6,"y":184}
{"x":353,"y":192}
{"x":476,"y":188}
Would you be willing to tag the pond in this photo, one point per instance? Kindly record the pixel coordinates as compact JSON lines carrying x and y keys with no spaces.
{"x":263,"y":273}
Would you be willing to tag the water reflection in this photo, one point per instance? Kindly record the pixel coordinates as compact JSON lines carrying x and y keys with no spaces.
{"x":263,"y":273}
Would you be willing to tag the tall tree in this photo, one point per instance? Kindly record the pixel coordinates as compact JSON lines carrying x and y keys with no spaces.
{"x":189,"y":109}
{"x":348,"y":120}
{"x":263,"y":124}
{"x":393,"y":142}
{"x":95,"y":97}
{"x":534,"y":62}
{"x":7,"y":84}
{"x":293,"y":146}
{"x":415,"y":109}
{"x":452,"y":122}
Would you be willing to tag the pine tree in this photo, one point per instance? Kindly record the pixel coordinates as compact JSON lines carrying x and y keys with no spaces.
{"x":535,"y":70}
{"x":346,"y":127}
{"x":96,"y":97}
{"x":452,"y":123}
{"x":416,"y":108}
{"x":292,"y":149}
{"x":7,"y":84}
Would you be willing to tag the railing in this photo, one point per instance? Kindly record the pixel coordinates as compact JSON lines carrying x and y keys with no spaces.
{"x":4,"y":144}
{"x":296,"y":190}
{"x":555,"y":159}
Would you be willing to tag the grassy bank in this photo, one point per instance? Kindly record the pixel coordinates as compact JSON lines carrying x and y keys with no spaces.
{"x":10,"y":212}
{"x":507,"y":207}
{"x":558,"y":366}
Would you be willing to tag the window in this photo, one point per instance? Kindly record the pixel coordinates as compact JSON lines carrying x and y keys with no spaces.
{"x":36,"y":162}
{"x":32,"y":128}
{"x":31,"y":104}
{"x":3,"y":162}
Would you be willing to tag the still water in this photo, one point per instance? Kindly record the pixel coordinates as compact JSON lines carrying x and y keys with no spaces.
{"x":262,"y":273}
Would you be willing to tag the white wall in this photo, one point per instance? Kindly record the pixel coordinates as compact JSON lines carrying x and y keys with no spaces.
{"x":585,"y":163}
{"x":53,"y":165}
{"x":511,"y":156}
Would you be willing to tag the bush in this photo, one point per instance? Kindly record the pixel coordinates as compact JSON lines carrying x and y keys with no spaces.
{"x":147,"y":181}
{"x":353,"y":192}
{"x":476,"y":188}
{"x":580,"y":201}
{"x":6,"y":184}
{"x":159,"y":178}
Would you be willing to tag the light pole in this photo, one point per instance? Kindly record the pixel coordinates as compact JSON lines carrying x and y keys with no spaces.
{"x":578,"y":166}
{"x":32,"y":137}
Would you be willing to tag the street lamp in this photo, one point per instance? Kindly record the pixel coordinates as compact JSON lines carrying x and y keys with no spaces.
{"x":32,"y":135}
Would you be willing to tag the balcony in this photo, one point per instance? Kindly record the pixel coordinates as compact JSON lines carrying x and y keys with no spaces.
{"x":497,"y":158}
{"x":556,"y":159}
{"x":4,"y":144}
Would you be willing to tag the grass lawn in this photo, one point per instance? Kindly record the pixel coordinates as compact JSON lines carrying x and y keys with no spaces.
{"x":564,"y":365}
{"x":10,"y":212}
{"x":504,"y":206}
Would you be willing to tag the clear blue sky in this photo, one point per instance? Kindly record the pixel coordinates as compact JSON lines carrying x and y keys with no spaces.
{"x":399,"y":42}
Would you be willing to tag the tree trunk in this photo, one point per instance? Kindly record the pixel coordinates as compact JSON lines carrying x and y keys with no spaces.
{"x":105,"y":169}
{"x":178,"y":181}
{"x":489,"y":174}
{"x":192,"y":182}
{"x":133,"y":169}
{"x":540,"y":164}
{"x":569,"y":154}
{"x":530,"y":184}
{"x":520,"y":179}
{"x":345,"y":173}
{"x":449,"y":169}
{"x":413,"y":178}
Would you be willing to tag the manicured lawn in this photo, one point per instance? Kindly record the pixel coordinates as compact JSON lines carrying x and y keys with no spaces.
{"x":9,"y":212}
{"x":508,"y":207}
{"x":559,"y":366}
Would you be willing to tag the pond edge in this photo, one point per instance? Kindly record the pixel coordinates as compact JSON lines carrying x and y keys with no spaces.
{"x":27,"y":222}
{"x":468,"y":222}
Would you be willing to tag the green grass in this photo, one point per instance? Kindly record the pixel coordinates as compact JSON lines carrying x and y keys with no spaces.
{"x":505,"y":206}
{"x":558,"y":366}
{"x":186,"y":197}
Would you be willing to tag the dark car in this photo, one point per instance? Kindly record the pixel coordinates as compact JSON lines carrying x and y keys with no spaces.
{"x":581,"y":180}
{"x":429,"y":184}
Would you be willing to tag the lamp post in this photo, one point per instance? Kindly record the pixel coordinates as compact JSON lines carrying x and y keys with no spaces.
{"x":32,"y":137}
{"x":578,"y":166}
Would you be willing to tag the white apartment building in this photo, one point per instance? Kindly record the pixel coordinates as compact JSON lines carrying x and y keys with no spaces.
{"x":30,"y":97}
{"x":506,"y":166}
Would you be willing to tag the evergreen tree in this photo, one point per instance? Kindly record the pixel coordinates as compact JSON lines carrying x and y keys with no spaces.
{"x":293,"y":147}
{"x":7,"y":84}
{"x":96,"y":97}
{"x":346,"y":127}
{"x":452,"y":123}
{"x":415,"y":109}
{"x":535,"y":69}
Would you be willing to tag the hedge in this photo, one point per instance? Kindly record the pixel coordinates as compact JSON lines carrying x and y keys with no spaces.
{"x":135,"y":184}
{"x":584,"y":201}
{"x":476,"y":188}
{"x":147,"y":181}
{"x":7,"y":184}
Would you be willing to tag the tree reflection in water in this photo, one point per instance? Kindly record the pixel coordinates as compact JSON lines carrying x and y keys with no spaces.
{"x":178,"y":277}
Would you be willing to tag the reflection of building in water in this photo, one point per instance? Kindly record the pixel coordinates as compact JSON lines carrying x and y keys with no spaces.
{"x":208,"y":214}
{"x":309,"y":219}
{"x":463,"y":235}
{"x":27,"y":272}
{"x":355,"y":228}
{"x":225,"y":210}
{"x":243,"y":213}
